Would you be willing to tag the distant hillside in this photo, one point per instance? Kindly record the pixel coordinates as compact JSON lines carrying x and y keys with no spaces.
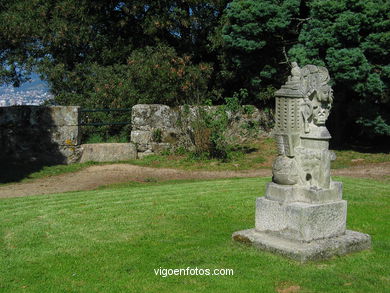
{"x":34,"y":92}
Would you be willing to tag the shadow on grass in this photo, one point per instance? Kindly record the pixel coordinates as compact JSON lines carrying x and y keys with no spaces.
{"x":15,"y":171}
{"x":363,"y":144}
{"x":245,"y":149}
{"x":370,"y":147}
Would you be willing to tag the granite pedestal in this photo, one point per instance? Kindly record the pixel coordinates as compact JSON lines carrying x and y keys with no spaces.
{"x":303,"y":224}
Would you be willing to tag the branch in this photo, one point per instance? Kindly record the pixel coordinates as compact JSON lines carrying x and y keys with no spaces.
{"x":301,"y":19}
{"x":287,"y":61}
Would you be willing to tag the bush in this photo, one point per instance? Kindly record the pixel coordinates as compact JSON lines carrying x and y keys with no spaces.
{"x":151,"y":75}
{"x":210,"y":127}
{"x":157,"y":135}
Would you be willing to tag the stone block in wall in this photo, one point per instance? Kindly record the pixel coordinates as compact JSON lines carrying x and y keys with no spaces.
{"x":170,"y":136}
{"x":65,"y":135}
{"x":145,"y":117}
{"x":141,"y":136}
{"x":57,"y":115}
{"x":143,"y":154}
{"x":10,"y":116}
{"x":108,"y":152}
{"x":70,"y":154}
{"x":30,"y":133}
{"x":39,"y":116}
{"x":160,"y":147}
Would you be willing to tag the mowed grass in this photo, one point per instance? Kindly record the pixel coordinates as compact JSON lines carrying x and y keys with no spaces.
{"x":259,"y":154}
{"x":112,"y":239}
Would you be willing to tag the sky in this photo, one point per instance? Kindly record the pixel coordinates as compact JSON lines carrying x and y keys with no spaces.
{"x":35,"y":84}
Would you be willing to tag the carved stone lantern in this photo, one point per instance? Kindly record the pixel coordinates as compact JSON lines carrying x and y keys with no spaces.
{"x":302,"y":214}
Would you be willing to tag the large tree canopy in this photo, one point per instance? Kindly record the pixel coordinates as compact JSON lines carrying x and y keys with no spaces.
{"x":352,"y":39}
{"x":110,"y":53}
{"x":63,"y":39}
{"x":256,"y":35}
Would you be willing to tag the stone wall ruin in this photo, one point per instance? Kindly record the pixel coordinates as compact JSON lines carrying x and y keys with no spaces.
{"x":156,"y":128}
{"x":51,"y":134}
{"x":37,"y":133}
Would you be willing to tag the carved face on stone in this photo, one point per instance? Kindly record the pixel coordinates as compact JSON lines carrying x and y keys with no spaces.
{"x":325,"y":94}
{"x":321,"y":110}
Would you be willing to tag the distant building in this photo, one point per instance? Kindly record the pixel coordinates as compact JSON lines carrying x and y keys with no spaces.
{"x":10,"y":97}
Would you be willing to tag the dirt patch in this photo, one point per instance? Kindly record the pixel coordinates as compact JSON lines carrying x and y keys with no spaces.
{"x":290,"y":289}
{"x":374,"y":171}
{"x":95,"y":176}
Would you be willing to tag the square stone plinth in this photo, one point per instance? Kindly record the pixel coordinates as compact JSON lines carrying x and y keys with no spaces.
{"x":301,"y":221}
{"x":349,"y":242}
{"x":294,"y":193}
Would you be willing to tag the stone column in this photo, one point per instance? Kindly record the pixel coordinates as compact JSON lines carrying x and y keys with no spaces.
{"x":303,"y":215}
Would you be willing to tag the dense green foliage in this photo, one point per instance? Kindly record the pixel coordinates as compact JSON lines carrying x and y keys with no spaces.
{"x":255,"y":35}
{"x":111,"y":240}
{"x":352,"y":39}
{"x":117,"y":53}
{"x":77,"y":45}
{"x":150,"y":75}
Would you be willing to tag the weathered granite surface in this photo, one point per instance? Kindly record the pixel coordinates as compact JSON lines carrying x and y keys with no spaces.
{"x":108,"y":152}
{"x":349,"y":242}
{"x":31,"y":133}
{"x":302,"y":214}
{"x":300,"y":220}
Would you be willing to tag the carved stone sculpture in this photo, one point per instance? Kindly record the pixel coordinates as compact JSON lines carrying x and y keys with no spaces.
{"x":302,"y":107}
{"x":302,"y":214}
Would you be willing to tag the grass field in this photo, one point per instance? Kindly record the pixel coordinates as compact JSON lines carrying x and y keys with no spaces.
{"x":252,"y":156}
{"x":112,"y":239}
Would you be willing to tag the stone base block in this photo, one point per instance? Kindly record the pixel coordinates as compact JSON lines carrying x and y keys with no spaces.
{"x":349,"y":242}
{"x":301,"y":221}
{"x":291,"y":193}
{"x":108,"y":152}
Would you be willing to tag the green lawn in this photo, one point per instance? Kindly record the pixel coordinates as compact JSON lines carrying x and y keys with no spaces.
{"x":112,"y":239}
{"x":260,"y":154}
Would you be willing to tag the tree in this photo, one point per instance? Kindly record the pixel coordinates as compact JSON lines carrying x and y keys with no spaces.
{"x":349,"y":37}
{"x":352,"y":39}
{"x":111,"y":53}
{"x":256,"y":35}
{"x":150,"y":75}
{"x":64,"y":39}
{"x":228,"y":48}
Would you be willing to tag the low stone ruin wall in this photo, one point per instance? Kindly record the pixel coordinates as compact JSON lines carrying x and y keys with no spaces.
{"x":52,"y":134}
{"x":158,"y":127}
{"x":36,"y":133}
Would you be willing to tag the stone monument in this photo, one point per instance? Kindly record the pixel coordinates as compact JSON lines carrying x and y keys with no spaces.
{"x":303,"y":215}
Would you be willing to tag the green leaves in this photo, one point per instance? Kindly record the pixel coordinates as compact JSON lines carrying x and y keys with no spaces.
{"x":256,"y":34}
{"x":85,"y":49}
{"x":352,"y":39}
{"x":347,"y":65}
{"x":249,"y":23}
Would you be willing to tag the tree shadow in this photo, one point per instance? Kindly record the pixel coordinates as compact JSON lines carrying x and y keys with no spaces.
{"x":369,"y":146}
{"x":28,"y":142}
{"x":245,"y":149}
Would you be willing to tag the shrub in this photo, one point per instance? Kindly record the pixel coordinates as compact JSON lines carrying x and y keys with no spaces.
{"x":157,"y":135}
